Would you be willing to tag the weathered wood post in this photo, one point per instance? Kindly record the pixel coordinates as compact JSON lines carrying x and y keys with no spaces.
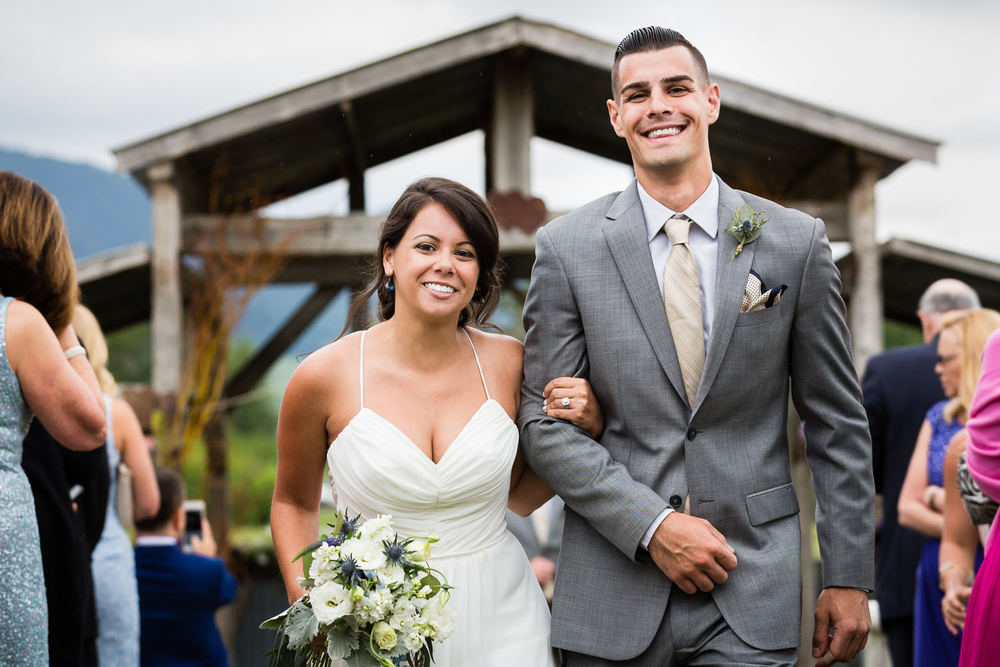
{"x":865,"y":311}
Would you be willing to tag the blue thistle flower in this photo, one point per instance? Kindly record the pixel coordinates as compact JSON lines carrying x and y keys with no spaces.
{"x":348,"y":527}
{"x":394,"y":552}
{"x":747,"y":227}
{"x":333,"y":541}
{"x":349,"y":568}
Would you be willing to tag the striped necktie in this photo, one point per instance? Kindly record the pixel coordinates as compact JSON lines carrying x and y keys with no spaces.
{"x":682,"y":300}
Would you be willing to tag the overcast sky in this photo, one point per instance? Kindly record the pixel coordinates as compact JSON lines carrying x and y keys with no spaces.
{"x":81,"y":78}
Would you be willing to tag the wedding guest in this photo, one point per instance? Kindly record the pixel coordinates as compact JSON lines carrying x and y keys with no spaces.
{"x":898,"y":387}
{"x":968,"y":514}
{"x":921,"y":501}
{"x":70,"y":490}
{"x":113,"y":565}
{"x":981,"y":640}
{"x":179,"y":592}
{"x":42,"y":372}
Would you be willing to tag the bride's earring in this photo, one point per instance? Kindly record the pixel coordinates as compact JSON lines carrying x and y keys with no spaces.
{"x":388,"y":284}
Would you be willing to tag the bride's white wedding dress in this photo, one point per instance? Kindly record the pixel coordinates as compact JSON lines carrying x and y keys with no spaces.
{"x":501,"y":618}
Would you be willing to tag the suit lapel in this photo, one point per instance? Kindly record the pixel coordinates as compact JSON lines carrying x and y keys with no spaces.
{"x":625,"y":231}
{"x":730,"y":284}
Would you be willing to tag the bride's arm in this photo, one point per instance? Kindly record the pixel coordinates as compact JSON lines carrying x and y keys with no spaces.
{"x":299,"y":480}
{"x":527,"y":490}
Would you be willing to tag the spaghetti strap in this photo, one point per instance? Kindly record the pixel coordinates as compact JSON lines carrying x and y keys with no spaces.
{"x":361,"y":369}
{"x":478,"y":365}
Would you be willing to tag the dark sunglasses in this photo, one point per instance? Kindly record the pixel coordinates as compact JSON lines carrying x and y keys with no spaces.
{"x":944,"y":360}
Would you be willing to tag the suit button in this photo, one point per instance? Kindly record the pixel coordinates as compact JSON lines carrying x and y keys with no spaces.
{"x":692,"y":434}
{"x":675,"y":501}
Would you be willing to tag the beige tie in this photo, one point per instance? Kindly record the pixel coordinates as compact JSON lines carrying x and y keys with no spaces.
{"x":682,"y":300}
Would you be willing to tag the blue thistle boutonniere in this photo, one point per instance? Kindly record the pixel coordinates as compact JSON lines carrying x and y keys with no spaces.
{"x":746,"y":226}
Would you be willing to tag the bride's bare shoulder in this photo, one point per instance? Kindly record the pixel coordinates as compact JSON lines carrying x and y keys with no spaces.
{"x":500,"y":352}
{"x":328,"y":369}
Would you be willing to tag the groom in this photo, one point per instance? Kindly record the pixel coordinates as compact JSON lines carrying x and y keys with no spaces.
{"x":681,"y":539}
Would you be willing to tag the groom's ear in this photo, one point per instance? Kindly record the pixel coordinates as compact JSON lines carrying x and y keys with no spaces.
{"x":615,"y":118}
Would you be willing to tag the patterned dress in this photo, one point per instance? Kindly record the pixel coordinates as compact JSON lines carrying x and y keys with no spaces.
{"x":24,"y":628}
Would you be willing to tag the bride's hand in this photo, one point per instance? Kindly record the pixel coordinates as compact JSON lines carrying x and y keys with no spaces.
{"x":572,"y":399}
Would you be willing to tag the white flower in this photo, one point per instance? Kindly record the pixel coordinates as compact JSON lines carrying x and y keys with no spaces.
{"x":384,"y":636}
{"x":378,"y":528}
{"x":367,"y":554}
{"x":439,"y":619}
{"x":325,"y":564}
{"x":392,"y":574}
{"x":330,"y":602}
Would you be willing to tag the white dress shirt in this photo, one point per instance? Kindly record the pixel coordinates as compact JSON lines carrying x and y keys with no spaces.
{"x":703,"y":241}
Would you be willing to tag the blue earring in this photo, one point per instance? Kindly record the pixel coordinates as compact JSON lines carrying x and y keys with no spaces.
{"x":388,"y":284}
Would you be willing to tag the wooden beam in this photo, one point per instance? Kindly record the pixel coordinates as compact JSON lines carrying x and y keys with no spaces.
{"x":508,"y":138}
{"x":356,"y":169}
{"x":832,"y":213}
{"x":354,"y":235}
{"x":252,"y":371}
{"x":865,"y":311}
{"x":167,"y":297}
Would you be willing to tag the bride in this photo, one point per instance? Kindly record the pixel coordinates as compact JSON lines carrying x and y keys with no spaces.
{"x":415,"y":419}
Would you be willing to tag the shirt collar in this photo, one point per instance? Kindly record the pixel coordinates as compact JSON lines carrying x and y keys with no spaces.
{"x":704,"y":212}
{"x":155,"y":541}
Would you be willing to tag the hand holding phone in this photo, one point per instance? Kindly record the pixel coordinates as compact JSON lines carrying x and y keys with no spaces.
{"x":194,"y":513}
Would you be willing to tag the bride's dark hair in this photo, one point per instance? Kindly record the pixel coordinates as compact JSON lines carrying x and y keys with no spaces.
{"x":473,"y":215}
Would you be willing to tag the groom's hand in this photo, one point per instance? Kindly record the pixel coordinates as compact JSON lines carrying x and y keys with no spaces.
{"x":842,"y":625}
{"x":691,"y":552}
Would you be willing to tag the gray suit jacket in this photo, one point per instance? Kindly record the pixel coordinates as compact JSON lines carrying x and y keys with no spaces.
{"x":594,"y":310}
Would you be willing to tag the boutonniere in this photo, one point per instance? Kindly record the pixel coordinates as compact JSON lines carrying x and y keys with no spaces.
{"x":746,"y":226}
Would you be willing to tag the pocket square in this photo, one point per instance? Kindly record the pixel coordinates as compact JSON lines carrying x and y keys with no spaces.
{"x":756,"y":296}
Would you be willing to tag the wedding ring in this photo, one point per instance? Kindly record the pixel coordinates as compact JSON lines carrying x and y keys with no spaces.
{"x":565,"y":401}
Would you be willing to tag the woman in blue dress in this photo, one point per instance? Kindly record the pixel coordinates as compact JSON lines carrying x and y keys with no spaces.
{"x":43,"y":372}
{"x":113,"y":563}
{"x":921,"y":500}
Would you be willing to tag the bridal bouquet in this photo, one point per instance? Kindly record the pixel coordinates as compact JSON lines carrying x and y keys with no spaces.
{"x":372,"y":601}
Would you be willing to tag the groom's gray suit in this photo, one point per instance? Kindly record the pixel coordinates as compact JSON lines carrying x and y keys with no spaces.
{"x":594,"y":310}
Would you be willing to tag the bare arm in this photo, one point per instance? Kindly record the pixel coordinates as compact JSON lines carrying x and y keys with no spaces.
{"x":62,"y":393}
{"x":301,"y":457}
{"x":958,"y":542}
{"x":914,"y":513}
{"x":132,"y":445}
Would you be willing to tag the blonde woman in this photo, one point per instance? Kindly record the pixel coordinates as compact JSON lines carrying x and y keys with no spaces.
{"x":113,"y":564}
{"x":921,"y":501}
{"x":43,"y":373}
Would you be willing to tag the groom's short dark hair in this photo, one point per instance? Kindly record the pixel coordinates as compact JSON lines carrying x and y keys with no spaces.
{"x":654,"y":38}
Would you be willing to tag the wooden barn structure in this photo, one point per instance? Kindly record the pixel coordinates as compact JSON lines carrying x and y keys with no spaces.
{"x":513,"y":80}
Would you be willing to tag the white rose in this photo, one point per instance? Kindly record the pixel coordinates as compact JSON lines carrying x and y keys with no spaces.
{"x":330,"y":602}
{"x":392,"y":574}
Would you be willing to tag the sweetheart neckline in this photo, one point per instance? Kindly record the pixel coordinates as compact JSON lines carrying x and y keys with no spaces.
{"x":409,"y":441}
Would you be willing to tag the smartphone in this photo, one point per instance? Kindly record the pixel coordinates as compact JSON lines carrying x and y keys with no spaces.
{"x":194,"y":512}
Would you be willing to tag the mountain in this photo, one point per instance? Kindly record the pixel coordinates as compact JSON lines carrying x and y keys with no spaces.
{"x":105,"y":210}
{"x":102,"y":209}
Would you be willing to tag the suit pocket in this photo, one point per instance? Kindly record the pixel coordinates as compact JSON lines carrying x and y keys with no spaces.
{"x":756,"y":317}
{"x":772,"y":504}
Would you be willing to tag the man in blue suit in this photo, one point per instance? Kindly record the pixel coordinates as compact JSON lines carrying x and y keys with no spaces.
{"x":899,"y":386}
{"x":179,"y":592}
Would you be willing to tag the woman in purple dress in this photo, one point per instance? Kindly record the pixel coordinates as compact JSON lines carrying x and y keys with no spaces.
{"x":921,"y":501}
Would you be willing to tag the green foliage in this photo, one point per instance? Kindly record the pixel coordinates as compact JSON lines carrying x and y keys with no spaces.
{"x":129,"y":359}
{"x":897,"y":334}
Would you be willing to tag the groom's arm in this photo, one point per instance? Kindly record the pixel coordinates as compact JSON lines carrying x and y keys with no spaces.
{"x":838,"y":449}
{"x":576,"y":467}
{"x":827,"y":396}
